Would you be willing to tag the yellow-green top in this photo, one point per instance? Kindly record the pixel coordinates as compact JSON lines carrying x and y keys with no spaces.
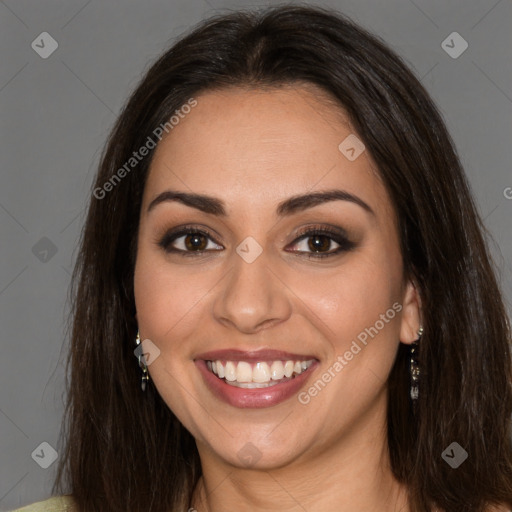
{"x":55,"y":504}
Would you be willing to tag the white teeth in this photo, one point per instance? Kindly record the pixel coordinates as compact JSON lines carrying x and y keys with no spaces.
{"x":230,"y":371}
{"x":252,"y":385}
{"x":259,"y":374}
{"x":288,"y":368}
{"x":277,"y":370}
{"x":243,"y":372}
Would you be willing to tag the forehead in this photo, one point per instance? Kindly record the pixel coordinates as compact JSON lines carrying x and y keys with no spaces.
{"x":259,"y":146}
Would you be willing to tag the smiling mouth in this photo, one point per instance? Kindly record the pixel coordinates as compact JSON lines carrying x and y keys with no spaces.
{"x":261,"y":374}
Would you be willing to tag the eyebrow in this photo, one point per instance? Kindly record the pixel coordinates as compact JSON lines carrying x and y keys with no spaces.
{"x":215,"y":206}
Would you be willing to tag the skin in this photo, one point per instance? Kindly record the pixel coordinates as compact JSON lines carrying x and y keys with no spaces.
{"x":253,"y":149}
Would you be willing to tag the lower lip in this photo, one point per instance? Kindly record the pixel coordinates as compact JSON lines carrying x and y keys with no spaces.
{"x":253,"y":398}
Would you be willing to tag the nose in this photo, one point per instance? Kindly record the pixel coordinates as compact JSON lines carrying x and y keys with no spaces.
{"x":252,"y":297}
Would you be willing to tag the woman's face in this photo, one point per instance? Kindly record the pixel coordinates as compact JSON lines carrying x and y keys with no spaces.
{"x":249,"y":287}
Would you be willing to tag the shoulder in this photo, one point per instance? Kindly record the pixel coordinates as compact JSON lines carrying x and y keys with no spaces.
{"x":55,"y":504}
{"x":498,"y":508}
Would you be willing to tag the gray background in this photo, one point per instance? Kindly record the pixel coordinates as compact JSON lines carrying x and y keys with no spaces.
{"x":56,"y":114}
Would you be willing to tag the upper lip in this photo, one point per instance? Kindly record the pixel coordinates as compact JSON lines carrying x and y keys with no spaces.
{"x":252,"y":355}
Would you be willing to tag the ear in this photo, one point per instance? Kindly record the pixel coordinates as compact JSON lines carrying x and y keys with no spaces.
{"x":411,"y":314}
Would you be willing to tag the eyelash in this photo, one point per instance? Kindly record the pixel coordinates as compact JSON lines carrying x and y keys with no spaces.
{"x":333,"y":234}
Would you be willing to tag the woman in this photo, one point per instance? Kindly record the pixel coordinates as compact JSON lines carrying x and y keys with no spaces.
{"x":282,"y":251}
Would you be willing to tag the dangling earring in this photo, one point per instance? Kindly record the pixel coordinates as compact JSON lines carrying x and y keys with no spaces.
{"x":414,"y":367}
{"x":142,"y":364}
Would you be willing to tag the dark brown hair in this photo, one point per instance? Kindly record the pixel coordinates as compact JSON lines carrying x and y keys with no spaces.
{"x":124,"y":450}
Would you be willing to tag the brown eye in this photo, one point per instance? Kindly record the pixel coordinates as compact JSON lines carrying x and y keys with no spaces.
{"x":319,"y":243}
{"x":188,"y":241}
{"x":196,"y":242}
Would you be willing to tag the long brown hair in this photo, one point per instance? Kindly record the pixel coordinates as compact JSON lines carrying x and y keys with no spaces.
{"x":124,"y":450}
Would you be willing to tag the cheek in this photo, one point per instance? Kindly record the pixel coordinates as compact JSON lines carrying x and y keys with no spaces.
{"x":357,"y":312}
{"x":355,"y":302}
{"x":353,"y":296}
{"x":163,"y":295}
{"x":166,"y":302}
